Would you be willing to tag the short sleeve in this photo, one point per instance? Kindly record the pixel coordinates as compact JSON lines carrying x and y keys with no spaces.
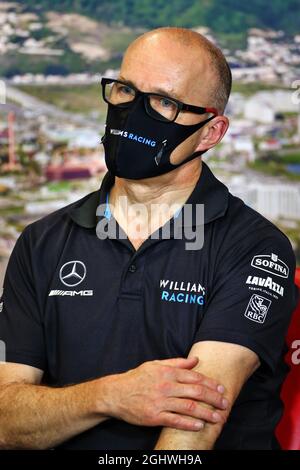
{"x":21,"y":328}
{"x":252,"y":297}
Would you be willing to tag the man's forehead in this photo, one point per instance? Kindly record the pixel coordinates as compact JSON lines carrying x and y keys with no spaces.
{"x":151,"y":64}
{"x":167,"y":49}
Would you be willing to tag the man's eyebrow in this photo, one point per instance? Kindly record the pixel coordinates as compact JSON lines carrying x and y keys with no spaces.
{"x":172,"y":94}
{"x":159,"y":91}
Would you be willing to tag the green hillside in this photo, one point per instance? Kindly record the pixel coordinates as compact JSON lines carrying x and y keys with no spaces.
{"x":226,"y":16}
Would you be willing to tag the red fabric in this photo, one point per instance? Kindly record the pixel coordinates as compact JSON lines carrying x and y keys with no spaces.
{"x":288,"y":430}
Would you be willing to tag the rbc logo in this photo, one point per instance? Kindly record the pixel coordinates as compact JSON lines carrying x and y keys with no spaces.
{"x":257,"y":308}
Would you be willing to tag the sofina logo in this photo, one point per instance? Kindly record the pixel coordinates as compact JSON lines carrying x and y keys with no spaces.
{"x":131,"y":136}
{"x":271,"y":264}
{"x":182,"y":291}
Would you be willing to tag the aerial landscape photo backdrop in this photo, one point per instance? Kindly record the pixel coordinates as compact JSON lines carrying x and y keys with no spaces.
{"x":52,"y":57}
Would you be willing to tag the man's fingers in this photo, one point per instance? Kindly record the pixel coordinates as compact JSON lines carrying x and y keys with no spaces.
{"x":201,"y":393}
{"x":185,"y":376}
{"x":190,"y":376}
{"x":181,"y":362}
{"x":213,"y":384}
{"x":188,"y":407}
{"x":176,"y":421}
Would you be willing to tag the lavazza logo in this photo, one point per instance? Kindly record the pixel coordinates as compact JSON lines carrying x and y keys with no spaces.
{"x":265,"y":282}
{"x":72,"y":274}
{"x":271,"y":264}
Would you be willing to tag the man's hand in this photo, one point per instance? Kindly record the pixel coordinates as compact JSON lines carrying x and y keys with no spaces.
{"x":228,"y":363}
{"x":164,"y":393}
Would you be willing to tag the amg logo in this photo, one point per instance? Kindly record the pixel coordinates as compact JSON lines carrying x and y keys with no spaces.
{"x":271,"y":264}
{"x":72,"y":293}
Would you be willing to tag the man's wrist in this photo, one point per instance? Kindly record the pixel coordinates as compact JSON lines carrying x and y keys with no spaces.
{"x":104,"y":396}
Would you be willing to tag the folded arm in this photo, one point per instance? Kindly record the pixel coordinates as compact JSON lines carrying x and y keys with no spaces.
{"x":231,"y":365}
{"x":34,"y":416}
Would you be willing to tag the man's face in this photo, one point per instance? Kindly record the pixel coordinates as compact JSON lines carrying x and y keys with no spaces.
{"x":159,"y":64}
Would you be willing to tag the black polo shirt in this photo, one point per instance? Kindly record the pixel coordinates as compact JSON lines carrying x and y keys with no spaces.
{"x":80,"y":307}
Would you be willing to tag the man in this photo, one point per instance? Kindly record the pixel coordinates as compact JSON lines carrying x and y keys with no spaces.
{"x":98,"y":325}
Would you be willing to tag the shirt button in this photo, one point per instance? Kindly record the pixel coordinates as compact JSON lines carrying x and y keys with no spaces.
{"x":132,"y":268}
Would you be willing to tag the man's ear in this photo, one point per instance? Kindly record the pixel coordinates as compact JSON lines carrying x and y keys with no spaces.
{"x":213,"y":133}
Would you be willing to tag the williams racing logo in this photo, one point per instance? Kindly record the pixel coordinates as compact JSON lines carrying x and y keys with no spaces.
{"x":182,"y":291}
{"x":271,"y":264}
{"x":257,"y":308}
{"x":131,"y":136}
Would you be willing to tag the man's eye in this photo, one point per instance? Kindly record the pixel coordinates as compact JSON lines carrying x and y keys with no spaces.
{"x":165,"y":103}
{"x":126,"y":90}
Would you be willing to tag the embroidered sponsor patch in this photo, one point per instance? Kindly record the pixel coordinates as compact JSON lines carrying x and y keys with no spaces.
{"x":257,"y":308}
{"x":271,"y":264}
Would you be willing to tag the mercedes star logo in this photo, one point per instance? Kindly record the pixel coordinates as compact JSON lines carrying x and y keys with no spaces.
{"x":72,"y":273}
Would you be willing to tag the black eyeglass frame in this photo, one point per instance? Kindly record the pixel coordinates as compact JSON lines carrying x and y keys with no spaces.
{"x":180,"y":105}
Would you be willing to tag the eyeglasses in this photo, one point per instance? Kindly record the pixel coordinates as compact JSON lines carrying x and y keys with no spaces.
{"x":159,"y":107}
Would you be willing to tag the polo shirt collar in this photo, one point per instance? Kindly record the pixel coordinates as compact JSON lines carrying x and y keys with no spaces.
{"x":83,"y":212}
{"x":208,"y":191}
{"x":212,"y":193}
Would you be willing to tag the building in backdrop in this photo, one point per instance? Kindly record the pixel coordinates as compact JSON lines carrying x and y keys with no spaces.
{"x":52,"y":116}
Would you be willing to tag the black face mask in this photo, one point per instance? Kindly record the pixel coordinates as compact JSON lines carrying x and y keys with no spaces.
{"x":138,"y":146}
